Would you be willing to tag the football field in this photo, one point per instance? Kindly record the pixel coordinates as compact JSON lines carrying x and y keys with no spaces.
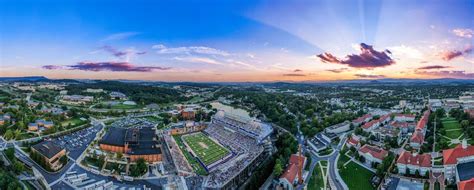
{"x":204,"y":148}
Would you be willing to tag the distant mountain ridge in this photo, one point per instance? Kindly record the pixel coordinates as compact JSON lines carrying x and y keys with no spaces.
{"x":26,"y":78}
{"x":354,"y":81}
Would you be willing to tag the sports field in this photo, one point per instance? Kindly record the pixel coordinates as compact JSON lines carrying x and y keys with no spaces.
{"x":205,"y":149}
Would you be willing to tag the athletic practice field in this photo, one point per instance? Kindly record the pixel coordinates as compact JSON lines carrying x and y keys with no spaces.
{"x":204,"y":148}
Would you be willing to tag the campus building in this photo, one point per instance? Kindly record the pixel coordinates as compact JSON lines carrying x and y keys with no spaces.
{"x":117,"y":96}
{"x":187,"y":127}
{"x":188,"y":113}
{"x":459,"y":162}
{"x":418,"y":137}
{"x":291,"y":175}
{"x":413,"y":162}
{"x":51,"y":153}
{"x":466,"y":185}
{"x":404,"y":117}
{"x":339,"y":128}
{"x":372,"y":154}
{"x":363,"y":119}
{"x":77,"y":99}
{"x":134,"y":143}
{"x":353,"y":141}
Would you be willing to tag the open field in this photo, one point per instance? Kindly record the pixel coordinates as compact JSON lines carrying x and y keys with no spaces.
{"x":205,"y":149}
{"x":356,"y":177}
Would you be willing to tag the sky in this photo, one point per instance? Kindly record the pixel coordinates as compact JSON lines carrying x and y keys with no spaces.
{"x":225,"y":41}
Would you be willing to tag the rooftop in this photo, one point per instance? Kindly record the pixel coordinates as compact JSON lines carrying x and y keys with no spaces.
{"x":114,"y":136}
{"x":465,"y":171}
{"x":450,"y":156}
{"x":466,"y":185}
{"x":291,"y":172}
{"x":47,"y":148}
{"x":376,"y":152}
{"x":408,"y":158}
{"x":362,"y":118}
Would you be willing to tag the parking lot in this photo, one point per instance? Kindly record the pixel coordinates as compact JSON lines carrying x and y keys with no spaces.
{"x":133,"y":122}
{"x":94,"y":178}
{"x":75,"y":143}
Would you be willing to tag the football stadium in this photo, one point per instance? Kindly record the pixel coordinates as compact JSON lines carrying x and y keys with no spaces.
{"x":229,"y":150}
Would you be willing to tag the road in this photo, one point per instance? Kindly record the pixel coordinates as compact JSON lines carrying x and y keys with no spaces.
{"x":333,"y":166}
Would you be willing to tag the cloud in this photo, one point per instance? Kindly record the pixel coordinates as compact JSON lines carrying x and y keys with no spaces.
{"x":107,"y":66}
{"x":463,"y":32}
{"x":451,"y":54}
{"x":198,"y":60}
{"x":297,"y":70}
{"x":294,"y":75}
{"x":241,"y":63}
{"x":447,"y":74}
{"x":406,"y":51}
{"x":119,"y":53}
{"x":369,"y":76}
{"x":337,"y":70}
{"x":119,"y":36}
{"x":51,"y":67}
{"x":433,"y":67}
{"x":368,"y":58}
{"x":162,"y":49}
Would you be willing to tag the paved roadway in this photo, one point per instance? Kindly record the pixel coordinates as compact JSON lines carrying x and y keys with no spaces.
{"x":333,"y":166}
{"x":339,"y":183}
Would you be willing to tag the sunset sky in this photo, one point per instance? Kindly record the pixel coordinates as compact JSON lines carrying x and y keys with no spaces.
{"x":237,"y":40}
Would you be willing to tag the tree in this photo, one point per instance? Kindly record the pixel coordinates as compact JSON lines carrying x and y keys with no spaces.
{"x":417,"y":173}
{"x":362,"y":159}
{"x":277,"y":169}
{"x":353,"y":149}
{"x":10,"y":153}
{"x":464,"y":123}
{"x":18,"y":167}
{"x":9,"y":134}
{"x":63,"y":160}
{"x":139,"y":168}
{"x":119,"y":155}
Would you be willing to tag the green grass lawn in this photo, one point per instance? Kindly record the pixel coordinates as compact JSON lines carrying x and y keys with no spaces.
{"x":74,"y":122}
{"x":356,"y":177}
{"x":326,"y":151}
{"x":123,"y":106}
{"x":26,"y":136}
{"x":198,"y":168}
{"x":324,"y":162}
{"x":316,"y":181}
{"x":206,"y":150}
{"x":342,"y":160}
{"x":452,"y":127}
{"x":153,"y":118}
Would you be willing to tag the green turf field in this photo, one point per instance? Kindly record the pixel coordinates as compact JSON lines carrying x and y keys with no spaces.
{"x":206,"y":150}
